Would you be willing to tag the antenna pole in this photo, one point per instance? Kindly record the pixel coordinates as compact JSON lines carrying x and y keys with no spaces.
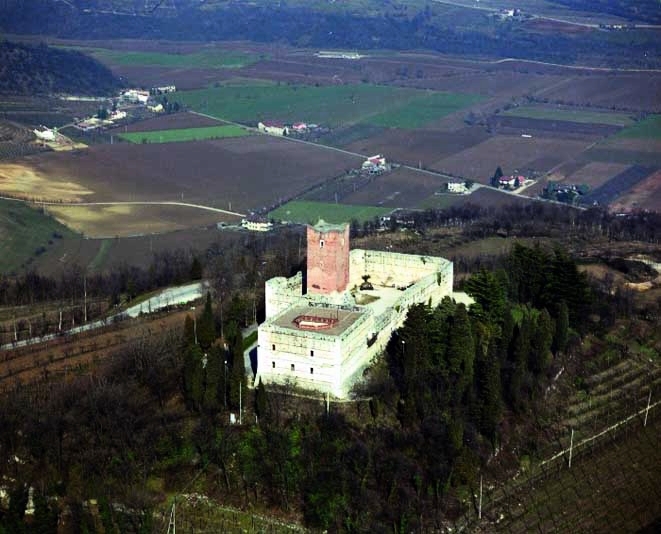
{"x":479,"y":506}
{"x":571,"y":446}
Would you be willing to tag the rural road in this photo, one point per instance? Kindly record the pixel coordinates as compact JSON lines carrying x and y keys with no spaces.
{"x":168,"y":297}
{"x":129,"y":203}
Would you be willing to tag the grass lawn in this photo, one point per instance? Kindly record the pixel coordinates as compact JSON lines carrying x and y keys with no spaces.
{"x":330,"y":105}
{"x":26,"y":233}
{"x":441,"y":201}
{"x":305,"y":211}
{"x":649,"y":128}
{"x":185,"y":134}
{"x":204,"y":59}
{"x":589,"y":117}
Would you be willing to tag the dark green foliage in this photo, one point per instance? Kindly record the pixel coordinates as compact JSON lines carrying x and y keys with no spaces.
{"x":213,"y":378}
{"x":261,"y":400}
{"x":561,"y":335}
{"x":189,"y":331}
{"x":540,"y":349}
{"x":237,"y":367}
{"x":496,"y":176}
{"x":29,"y":69}
{"x":196,"y":269}
{"x":45,"y":515}
{"x":206,"y":326}
{"x":194,"y":376}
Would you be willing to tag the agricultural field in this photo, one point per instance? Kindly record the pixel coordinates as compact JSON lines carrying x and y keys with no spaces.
{"x":124,"y":220}
{"x":570,"y":115}
{"x":206,"y":58}
{"x":329,"y":105}
{"x":617,"y":185}
{"x":234,"y":174}
{"x":400,"y":188}
{"x":630,"y":92}
{"x":419,"y":147}
{"x":27,"y":233}
{"x":308,"y":212}
{"x":168,"y":121}
{"x":185,"y":134}
{"x":645,"y":195}
{"x":595,"y":174}
{"x":649,"y":128}
{"x":538,"y":127}
{"x":523,"y":155}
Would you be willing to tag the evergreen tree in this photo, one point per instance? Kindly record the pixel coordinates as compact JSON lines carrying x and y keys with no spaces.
{"x":206,"y":326}
{"x":238,"y":367}
{"x":496,"y":176}
{"x":261,"y":400}
{"x":194,"y":377}
{"x":189,"y":331}
{"x":213,"y":378}
{"x":45,"y":516}
{"x":461,"y":353}
{"x":561,"y":335}
{"x":540,"y":349}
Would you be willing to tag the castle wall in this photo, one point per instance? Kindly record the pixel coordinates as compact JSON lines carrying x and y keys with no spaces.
{"x":280,"y":293}
{"x":328,"y":259}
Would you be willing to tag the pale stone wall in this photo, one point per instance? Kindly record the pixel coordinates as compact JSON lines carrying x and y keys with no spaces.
{"x":280,"y":293}
{"x":392,"y":269}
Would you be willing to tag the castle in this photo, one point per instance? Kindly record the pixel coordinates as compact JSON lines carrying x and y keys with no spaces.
{"x":322,"y":339}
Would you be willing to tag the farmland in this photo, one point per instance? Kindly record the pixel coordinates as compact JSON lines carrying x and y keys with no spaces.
{"x":331,"y":105}
{"x":122,"y":220}
{"x":571,"y":115}
{"x":185,"y":134}
{"x":617,"y":185}
{"x":235,"y":174}
{"x":205,"y":58}
{"x":511,"y":153}
{"x":170,"y":121}
{"x":303,"y":212}
{"x":649,"y":128}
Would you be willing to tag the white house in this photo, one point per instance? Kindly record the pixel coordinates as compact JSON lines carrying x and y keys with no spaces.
{"x":273,"y":128}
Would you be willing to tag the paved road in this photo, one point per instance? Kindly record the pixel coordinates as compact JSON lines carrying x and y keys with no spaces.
{"x":168,"y":297}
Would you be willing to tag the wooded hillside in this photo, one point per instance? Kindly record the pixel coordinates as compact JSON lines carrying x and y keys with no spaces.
{"x":30,"y":70}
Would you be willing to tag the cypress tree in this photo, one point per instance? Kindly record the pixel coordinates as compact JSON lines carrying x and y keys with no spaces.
{"x":238,"y":367}
{"x":540,"y":349}
{"x":189,"y":331}
{"x":206,"y":327}
{"x":194,"y":377}
{"x":261,"y":400}
{"x":213,"y":382}
{"x":561,"y":335}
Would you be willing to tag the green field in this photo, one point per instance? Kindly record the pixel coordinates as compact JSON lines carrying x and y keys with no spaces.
{"x":205,"y":59}
{"x":588,"y":117}
{"x":305,"y":211}
{"x":649,"y":128}
{"x":424,"y":109}
{"x":330,"y":105}
{"x":26,"y":233}
{"x":185,"y":134}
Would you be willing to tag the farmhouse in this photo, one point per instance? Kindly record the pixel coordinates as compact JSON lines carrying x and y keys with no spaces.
{"x":322,"y":337}
{"x":457,"y":187}
{"x":511,"y":182}
{"x":256,"y":224}
{"x":375,"y":164}
{"x":135,"y":96}
{"x":273,"y":128}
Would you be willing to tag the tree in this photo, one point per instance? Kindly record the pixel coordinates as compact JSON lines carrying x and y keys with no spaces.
{"x":193,"y":377}
{"x":495,"y":179}
{"x":540,"y":347}
{"x":213,"y":378}
{"x":261,"y":400}
{"x":561,"y":334}
{"x":206,"y":326}
{"x":238,"y":367}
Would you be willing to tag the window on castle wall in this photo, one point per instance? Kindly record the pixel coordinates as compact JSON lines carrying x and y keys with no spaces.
{"x":311,"y":370}
{"x":321,"y":243}
{"x":272,"y":365}
{"x":273,"y":347}
{"x":292,"y":366}
{"x":311,"y":353}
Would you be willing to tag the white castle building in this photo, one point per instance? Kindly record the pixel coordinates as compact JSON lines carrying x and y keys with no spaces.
{"x":323,"y":339}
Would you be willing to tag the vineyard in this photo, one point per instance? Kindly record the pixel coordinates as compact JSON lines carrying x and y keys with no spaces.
{"x":16,"y":142}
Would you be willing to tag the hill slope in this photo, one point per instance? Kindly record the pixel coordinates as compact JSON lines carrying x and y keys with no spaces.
{"x":26,"y":69}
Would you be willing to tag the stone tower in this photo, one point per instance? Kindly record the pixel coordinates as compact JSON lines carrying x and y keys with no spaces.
{"x":328,"y":258}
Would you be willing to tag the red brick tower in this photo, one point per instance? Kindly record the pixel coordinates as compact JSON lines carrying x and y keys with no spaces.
{"x":328,"y":258}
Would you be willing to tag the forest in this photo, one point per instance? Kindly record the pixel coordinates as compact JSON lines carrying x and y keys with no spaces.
{"x":474,"y":34}
{"x":39,"y":69}
{"x":454,"y":386}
